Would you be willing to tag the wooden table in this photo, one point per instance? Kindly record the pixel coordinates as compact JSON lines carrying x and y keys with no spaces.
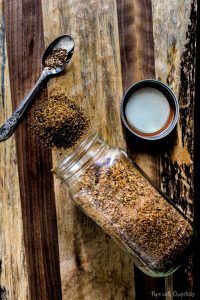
{"x":48,"y":247}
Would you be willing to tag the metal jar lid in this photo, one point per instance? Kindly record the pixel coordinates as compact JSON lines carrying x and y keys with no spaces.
{"x":150,"y":110}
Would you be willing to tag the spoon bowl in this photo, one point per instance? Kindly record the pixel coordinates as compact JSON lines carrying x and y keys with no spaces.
{"x":64,"y":42}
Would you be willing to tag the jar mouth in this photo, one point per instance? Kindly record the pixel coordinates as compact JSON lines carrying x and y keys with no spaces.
{"x":75,"y":160}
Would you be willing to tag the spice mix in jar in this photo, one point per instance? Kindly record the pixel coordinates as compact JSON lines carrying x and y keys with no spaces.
{"x":116,"y":194}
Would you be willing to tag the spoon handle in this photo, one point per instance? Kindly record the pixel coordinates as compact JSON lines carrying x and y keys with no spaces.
{"x":7,"y":129}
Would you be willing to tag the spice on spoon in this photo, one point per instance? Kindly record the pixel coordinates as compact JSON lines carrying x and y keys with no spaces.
{"x":57,"y":58}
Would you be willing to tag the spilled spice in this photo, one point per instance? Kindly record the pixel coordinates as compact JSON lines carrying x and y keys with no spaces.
{"x":57,"y":58}
{"x":59,"y":121}
{"x":115,"y":194}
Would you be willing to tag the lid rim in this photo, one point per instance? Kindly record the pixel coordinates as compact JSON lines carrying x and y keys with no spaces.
{"x":173,"y":100}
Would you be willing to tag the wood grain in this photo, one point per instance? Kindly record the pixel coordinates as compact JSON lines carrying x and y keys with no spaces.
{"x":173,"y":28}
{"x":175,"y":65}
{"x":13,"y":266}
{"x":196,"y":261}
{"x":92,"y":266}
{"x":174,"y":42}
{"x":25,"y":45}
{"x":137,"y":59}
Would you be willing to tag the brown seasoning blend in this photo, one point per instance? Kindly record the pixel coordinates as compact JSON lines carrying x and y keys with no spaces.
{"x":59,"y":121}
{"x":57,"y":58}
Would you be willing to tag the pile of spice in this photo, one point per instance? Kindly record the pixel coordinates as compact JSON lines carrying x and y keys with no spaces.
{"x":59,"y":121}
{"x":57,"y":58}
{"x":124,"y":203}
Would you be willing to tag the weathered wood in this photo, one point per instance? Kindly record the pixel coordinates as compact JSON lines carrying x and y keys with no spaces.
{"x":196,"y":260}
{"x":13,"y":267}
{"x":174,"y":25}
{"x":175,"y":67}
{"x":92,"y":265}
{"x":137,"y":59}
{"x":25,"y":45}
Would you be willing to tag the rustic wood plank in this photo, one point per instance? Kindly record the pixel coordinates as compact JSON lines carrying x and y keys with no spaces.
{"x":174,"y":41}
{"x":196,"y":261}
{"x":13,"y":266}
{"x":175,"y":65}
{"x":25,"y":45}
{"x":137,"y":58}
{"x":92,"y":266}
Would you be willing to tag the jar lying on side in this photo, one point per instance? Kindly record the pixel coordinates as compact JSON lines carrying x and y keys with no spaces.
{"x":116,"y":194}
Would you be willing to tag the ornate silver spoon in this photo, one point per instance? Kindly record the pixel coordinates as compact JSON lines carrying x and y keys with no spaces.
{"x":64,"y":42}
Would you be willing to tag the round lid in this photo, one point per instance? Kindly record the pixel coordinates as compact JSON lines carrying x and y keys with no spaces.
{"x":150,"y":109}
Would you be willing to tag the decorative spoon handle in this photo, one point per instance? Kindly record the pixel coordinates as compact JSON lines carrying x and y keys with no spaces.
{"x":7,"y":129}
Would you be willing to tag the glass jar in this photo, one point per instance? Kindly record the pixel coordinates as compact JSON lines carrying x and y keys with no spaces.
{"x":117,"y":195}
